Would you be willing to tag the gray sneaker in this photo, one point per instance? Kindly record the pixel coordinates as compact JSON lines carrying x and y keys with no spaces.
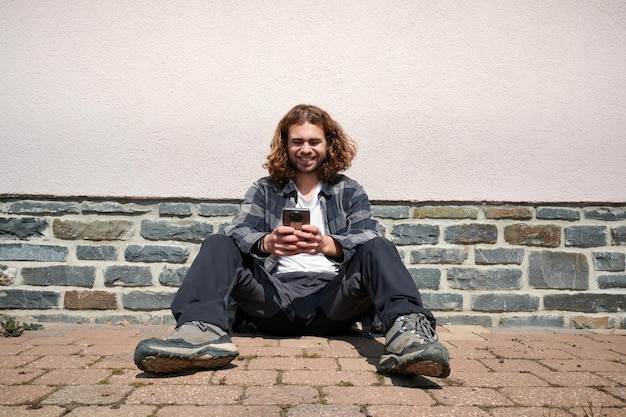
{"x":193,"y":345}
{"x":412,"y":349}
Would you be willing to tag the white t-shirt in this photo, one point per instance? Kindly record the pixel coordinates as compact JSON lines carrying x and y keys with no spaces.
{"x":305,"y":262}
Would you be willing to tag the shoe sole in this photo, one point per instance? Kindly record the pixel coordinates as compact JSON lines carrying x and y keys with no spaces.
{"x":427,"y":362}
{"x":152,"y":356}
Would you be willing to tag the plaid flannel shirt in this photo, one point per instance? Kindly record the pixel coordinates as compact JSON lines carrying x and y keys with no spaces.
{"x":345,"y":205}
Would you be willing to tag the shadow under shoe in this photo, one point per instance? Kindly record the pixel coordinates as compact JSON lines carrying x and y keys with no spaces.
{"x":412,"y":349}
{"x":193,"y":345}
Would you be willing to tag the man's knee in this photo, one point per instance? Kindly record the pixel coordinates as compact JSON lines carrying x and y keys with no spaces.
{"x":378,"y":245}
{"x":219,"y":242}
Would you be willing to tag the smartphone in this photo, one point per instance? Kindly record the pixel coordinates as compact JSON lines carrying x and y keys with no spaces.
{"x":296,"y":217}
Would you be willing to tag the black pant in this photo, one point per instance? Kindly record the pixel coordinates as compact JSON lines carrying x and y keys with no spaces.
{"x":374,"y":277}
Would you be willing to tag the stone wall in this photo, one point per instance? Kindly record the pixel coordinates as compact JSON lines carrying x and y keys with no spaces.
{"x":485,"y":264}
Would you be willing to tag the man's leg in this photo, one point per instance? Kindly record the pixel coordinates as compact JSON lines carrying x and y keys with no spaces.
{"x":377,"y":276}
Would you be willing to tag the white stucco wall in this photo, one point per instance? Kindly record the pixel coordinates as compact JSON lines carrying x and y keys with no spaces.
{"x":448,"y":101}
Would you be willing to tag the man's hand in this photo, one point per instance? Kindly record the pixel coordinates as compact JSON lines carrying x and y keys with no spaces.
{"x":287,"y":241}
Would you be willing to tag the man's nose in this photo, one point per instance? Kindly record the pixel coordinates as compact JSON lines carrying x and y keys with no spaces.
{"x":306,"y":147}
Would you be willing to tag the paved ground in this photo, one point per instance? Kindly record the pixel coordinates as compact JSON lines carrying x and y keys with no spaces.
{"x":87,"y":370}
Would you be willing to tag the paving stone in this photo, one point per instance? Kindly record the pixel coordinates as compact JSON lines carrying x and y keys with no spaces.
{"x":22,"y":394}
{"x":185,"y":395}
{"x":497,"y":379}
{"x":321,"y":410}
{"x":26,"y":411}
{"x":88,"y":394}
{"x":417,"y":411}
{"x":14,"y":376}
{"x":560,"y":397}
{"x":121,"y":411}
{"x":482,"y":397}
{"x":574,"y":379}
{"x":319,"y":378}
{"x":376,"y":395}
{"x":281,"y":394}
{"x":289,"y":363}
{"x":73,"y":377}
{"x":220,"y":411}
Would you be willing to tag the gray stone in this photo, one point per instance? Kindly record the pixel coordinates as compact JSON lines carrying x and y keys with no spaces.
{"x":609,"y":261}
{"x":442,"y":301}
{"x":485,"y":279}
{"x":390,"y":212}
{"x":36,"y":253}
{"x":505,"y":302}
{"x":585,"y":302}
{"x":445,"y":212}
{"x":172,"y":277}
{"x":467,"y":234}
{"x":619,"y":235}
{"x":24,"y":299}
{"x":183,"y":230}
{"x":92,"y":230}
{"x":96,"y":253}
{"x":585,"y":236}
{"x":558,"y":270}
{"x":217,"y":209}
{"x":175,"y":209}
{"x":501,"y":256}
{"x":79,"y":276}
{"x":426,"y":278}
{"x":22,"y":228}
{"x":414,"y":234}
{"x":438,"y":256}
{"x":465,"y":320}
{"x":533,"y":321}
{"x":7,"y":275}
{"x":127,"y":276}
{"x":221,"y":230}
{"x":612,"y":281}
{"x":111,"y":207}
{"x":555,"y":213}
{"x":606,"y":213}
{"x":546,"y":235}
{"x":42,"y":207}
{"x":172,"y":254}
{"x":147,"y":300}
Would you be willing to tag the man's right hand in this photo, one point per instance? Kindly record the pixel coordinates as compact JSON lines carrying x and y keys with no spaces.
{"x":281,"y":242}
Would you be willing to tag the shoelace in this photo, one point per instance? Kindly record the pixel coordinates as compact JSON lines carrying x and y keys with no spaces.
{"x":419,"y":325}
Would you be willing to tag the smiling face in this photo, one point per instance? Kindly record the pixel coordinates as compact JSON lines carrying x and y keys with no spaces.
{"x":306,"y":146}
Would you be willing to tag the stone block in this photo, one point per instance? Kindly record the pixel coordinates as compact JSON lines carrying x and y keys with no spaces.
{"x":538,"y":235}
{"x":172,"y":277}
{"x":558,"y":270}
{"x":7,"y":275}
{"x":426,"y":278}
{"x":172,"y":254}
{"x":147,"y":300}
{"x":467,"y":234}
{"x":585,"y":302}
{"x":555,"y":213}
{"x":217,"y":209}
{"x":587,"y":322}
{"x":501,"y":256}
{"x":619,"y":235}
{"x":606,"y":213}
{"x":390,"y":212}
{"x":22,"y":228}
{"x":42,"y":208}
{"x":175,"y":210}
{"x":90,"y":300}
{"x":534,"y":320}
{"x":438,"y":256}
{"x":585,"y":236}
{"x":112,"y":208}
{"x":26,"y":299}
{"x":183,"y":230}
{"x":612,"y":281}
{"x":127,"y":276}
{"x":485,"y":279}
{"x":442,"y":301}
{"x":414,"y":234}
{"x":65,"y":275}
{"x":609,"y":261}
{"x":514,"y":213}
{"x":445,"y":212}
{"x":92,"y":230}
{"x":505,"y":302}
{"x":35,"y":253}
{"x":96,"y":253}
{"x":465,"y":320}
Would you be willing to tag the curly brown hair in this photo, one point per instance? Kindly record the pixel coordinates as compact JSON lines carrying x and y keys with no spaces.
{"x":340,"y":148}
